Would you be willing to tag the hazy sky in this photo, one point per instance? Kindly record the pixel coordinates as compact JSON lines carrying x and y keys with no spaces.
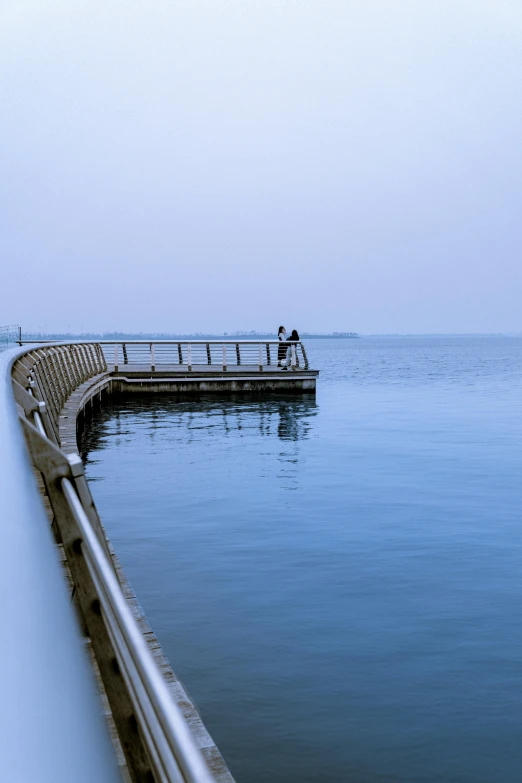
{"x":193,"y":165}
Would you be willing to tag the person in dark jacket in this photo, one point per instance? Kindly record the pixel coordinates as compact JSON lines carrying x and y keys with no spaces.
{"x":294,"y":338}
{"x":281,"y":348}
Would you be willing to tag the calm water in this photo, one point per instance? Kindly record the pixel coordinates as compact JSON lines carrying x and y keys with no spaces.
{"x":337,"y":581}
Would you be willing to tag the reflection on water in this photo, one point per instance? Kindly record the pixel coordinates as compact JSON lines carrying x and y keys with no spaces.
{"x":194,"y":421}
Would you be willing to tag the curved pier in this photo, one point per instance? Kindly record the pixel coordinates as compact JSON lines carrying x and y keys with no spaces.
{"x":157,"y":733}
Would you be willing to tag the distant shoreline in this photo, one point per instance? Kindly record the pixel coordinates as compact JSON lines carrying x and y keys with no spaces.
{"x":164,"y":336}
{"x":119,"y":336}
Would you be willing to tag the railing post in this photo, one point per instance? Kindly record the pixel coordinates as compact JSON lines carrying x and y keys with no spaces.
{"x":76,"y":364}
{"x":293,"y":356}
{"x":238,"y":355}
{"x":180,"y":354}
{"x":152,"y":358}
{"x":224,"y":357}
{"x":92,"y":359}
{"x":116,"y":357}
{"x":260,"y":358}
{"x":41,"y":375}
{"x":125,"y":359}
{"x":101,"y":359}
{"x":304,"y":356}
{"x":189,"y":357}
{"x":63,"y":389}
{"x":88,"y":361}
{"x":209,"y":358}
{"x":268,"y":354}
{"x":66,"y":368}
{"x":59,"y":379}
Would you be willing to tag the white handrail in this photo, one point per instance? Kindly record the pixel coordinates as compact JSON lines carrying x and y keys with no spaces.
{"x":198,"y":353}
{"x":160,"y":712}
{"x":247,"y":351}
{"x":182,"y":340}
{"x":52,"y":727}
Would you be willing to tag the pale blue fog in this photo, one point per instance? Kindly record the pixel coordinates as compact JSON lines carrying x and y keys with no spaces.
{"x":211,"y":166}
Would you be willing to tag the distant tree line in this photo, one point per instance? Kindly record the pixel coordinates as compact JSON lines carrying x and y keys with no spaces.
{"x":166,"y":335}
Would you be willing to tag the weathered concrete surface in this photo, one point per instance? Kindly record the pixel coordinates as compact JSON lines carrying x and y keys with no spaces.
{"x":172,"y":379}
{"x":199,"y":385}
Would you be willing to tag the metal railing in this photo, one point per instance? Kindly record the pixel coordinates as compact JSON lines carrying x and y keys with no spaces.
{"x":53,"y":372}
{"x":154,"y":735}
{"x":192,"y":354}
{"x":52,"y":728}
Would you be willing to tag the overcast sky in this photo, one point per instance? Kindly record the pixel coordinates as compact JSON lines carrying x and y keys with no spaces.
{"x":194,"y":165}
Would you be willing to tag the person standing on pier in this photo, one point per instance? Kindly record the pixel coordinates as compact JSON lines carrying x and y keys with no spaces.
{"x":294,"y":338}
{"x":281,"y":348}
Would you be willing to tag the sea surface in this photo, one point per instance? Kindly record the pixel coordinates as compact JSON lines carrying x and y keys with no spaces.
{"x":336,"y":580}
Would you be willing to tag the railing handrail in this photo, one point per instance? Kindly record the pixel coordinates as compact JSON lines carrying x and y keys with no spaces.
{"x":160,"y":712}
{"x":157,"y":342}
{"x":169,"y":743}
{"x":52,"y":727}
{"x":187,"y":346}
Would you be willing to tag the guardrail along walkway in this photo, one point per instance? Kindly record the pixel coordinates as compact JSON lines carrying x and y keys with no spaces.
{"x":149,"y":707}
{"x":158,"y":734}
